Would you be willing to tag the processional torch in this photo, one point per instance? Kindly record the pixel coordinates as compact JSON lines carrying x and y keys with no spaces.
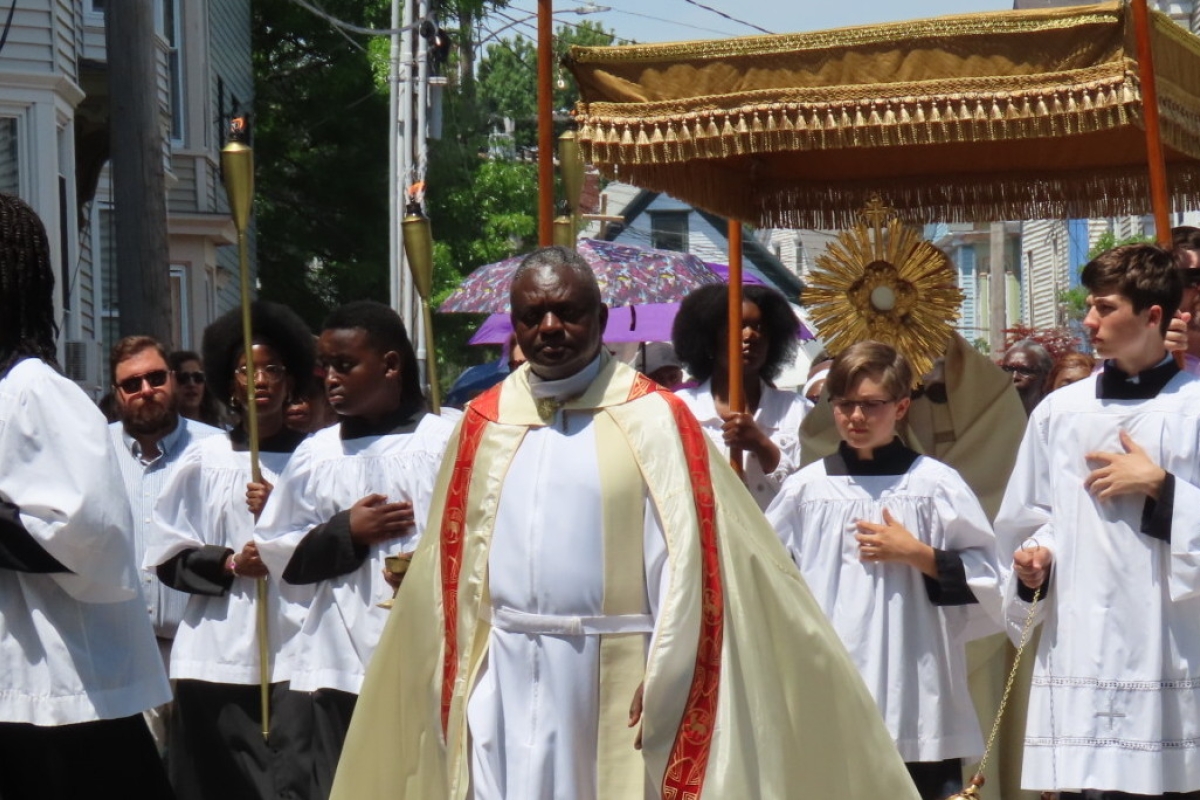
{"x":237,"y":170}
{"x":418,"y":251}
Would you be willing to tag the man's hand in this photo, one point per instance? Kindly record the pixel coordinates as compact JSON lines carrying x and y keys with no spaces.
{"x":373,"y":519}
{"x":256,"y":496}
{"x":248,"y":564}
{"x":891,"y":541}
{"x":1131,"y":472}
{"x":742,"y":432}
{"x":635,"y":714}
{"x":1032,"y":565}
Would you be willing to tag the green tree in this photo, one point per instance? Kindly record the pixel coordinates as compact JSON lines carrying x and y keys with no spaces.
{"x":321,"y":146}
{"x":508,"y":78}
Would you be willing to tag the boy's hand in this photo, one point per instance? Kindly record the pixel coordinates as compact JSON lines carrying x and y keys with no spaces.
{"x":1032,"y":565}
{"x":373,"y":519}
{"x":1131,"y":472}
{"x":891,"y":541}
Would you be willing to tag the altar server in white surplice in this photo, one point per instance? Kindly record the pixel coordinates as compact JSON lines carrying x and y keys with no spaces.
{"x":900,"y":556}
{"x":77,"y":654}
{"x":351,"y":495}
{"x":204,"y":545}
{"x":1103,"y":513}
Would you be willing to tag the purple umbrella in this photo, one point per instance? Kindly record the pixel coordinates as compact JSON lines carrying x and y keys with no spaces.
{"x":628,"y":276}
{"x":643,"y":323}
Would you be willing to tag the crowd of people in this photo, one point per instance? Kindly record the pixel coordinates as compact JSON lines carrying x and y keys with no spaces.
{"x":593,"y":602}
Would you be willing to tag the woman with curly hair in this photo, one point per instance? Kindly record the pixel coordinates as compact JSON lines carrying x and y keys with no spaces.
{"x":205,"y":519}
{"x":768,"y":431}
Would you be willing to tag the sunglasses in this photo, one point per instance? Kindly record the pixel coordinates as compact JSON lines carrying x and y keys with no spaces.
{"x":1191,"y":277}
{"x":134,"y":384}
{"x":190,"y":377}
{"x":1010,"y":368}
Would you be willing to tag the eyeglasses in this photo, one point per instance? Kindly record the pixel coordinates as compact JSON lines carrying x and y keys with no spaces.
{"x":133,"y":384}
{"x":868,"y":407}
{"x":1011,"y":368}
{"x":273,"y":373}
{"x":189,"y":377}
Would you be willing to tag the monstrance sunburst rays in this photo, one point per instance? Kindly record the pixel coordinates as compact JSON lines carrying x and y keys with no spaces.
{"x":880,"y":280}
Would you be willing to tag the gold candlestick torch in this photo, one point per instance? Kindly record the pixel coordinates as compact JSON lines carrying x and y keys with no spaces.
{"x":237,"y":171}
{"x":418,"y":251}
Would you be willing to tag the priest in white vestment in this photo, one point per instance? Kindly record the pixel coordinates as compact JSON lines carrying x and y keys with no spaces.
{"x":595,"y":580}
{"x":1103,"y":514}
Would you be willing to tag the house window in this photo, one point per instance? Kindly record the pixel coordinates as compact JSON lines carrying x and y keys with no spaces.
{"x":168,"y":28}
{"x":96,"y":7}
{"x":10,"y":163}
{"x":181,"y":332}
{"x":669,"y":230}
{"x":104,"y":245}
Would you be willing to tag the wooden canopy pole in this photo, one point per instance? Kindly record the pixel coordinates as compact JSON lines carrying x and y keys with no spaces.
{"x":1154,"y":149}
{"x":737,"y":396}
{"x":1156,"y":160}
{"x":545,"y":74}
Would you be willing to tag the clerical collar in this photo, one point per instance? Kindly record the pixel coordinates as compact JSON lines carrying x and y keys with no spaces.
{"x":549,"y":396}
{"x":286,"y":441}
{"x":1113,"y":384}
{"x":893,"y":458}
{"x":401,"y":420}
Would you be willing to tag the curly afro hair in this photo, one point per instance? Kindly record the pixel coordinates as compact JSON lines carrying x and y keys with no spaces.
{"x":699,"y":329}
{"x":274,"y":325}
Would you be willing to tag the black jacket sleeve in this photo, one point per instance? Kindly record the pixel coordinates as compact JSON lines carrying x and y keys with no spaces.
{"x":325,"y":552}
{"x":950,"y":587}
{"x":19,"y":551}
{"x":198,"y":571}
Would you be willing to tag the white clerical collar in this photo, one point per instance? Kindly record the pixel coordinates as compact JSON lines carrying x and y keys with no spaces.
{"x":565,"y":388}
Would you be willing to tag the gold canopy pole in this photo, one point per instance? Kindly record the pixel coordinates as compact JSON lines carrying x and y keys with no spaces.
{"x":545,"y":118}
{"x":570,"y":166}
{"x":237,"y":169}
{"x":418,"y":251}
{"x":737,"y":399}
{"x":1159,"y":200}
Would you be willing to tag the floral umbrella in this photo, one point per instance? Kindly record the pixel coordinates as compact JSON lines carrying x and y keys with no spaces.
{"x":628,"y":275}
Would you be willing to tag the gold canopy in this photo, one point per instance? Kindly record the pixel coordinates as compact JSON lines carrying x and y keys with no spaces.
{"x":1002,"y":115}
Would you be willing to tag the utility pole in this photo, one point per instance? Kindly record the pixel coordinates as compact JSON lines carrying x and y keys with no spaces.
{"x":139,"y":185}
{"x":997,"y":292}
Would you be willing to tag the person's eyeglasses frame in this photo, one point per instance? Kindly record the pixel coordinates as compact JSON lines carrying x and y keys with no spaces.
{"x":1020,"y":370}
{"x":184,"y":378}
{"x":157,"y":378}
{"x":868,"y":407}
{"x":274,"y":373}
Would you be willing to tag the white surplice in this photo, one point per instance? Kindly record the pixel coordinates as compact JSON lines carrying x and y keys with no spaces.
{"x":204,"y":503}
{"x":909,"y":651}
{"x":327,"y":475}
{"x":75,"y":646}
{"x":533,"y":713}
{"x":779,"y":415}
{"x":1115,"y":702}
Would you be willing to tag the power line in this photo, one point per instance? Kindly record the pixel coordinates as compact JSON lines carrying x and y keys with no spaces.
{"x":349,"y":26}
{"x":720,"y":13}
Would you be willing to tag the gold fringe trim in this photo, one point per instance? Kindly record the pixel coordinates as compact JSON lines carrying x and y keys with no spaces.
{"x":936,"y":28}
{"x":881,"y":122}
{"x":744,"y":195}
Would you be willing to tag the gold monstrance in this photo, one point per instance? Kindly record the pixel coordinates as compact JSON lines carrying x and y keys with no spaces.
{"x":881,"y":280}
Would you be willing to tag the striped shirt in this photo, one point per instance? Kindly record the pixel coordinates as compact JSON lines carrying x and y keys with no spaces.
{"x":144,"y":480}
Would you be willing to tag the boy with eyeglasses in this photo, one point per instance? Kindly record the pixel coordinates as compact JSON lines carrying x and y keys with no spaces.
{"x":898,"y":552}
{"x":351,"y":495}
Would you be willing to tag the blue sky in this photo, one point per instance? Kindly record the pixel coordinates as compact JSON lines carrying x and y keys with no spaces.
{"x":674,"y":20}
